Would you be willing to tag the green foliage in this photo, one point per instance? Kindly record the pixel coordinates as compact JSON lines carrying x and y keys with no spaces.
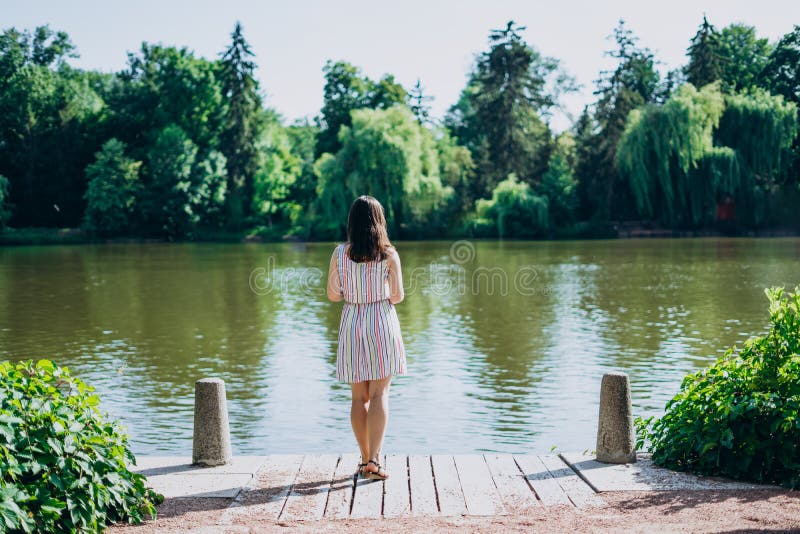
{"x":781,"y":74}
{"x":113,"y":187}
{"x":64,"y":464}
{"x":513,"y":211}
{"x":242,"y":126}
{"x":744,"y":57}
{"x":499,"y":113}
{"x":5,"y":205}
{"x":559,"y":186}
{"x":739,"y":417}
{"x":389,"y":155}
{"x":347,"y":89}
{"x":705,"y":56}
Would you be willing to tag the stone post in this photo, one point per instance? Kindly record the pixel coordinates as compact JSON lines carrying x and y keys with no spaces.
{"x":212,"y":437}
{"x":615,"y":437}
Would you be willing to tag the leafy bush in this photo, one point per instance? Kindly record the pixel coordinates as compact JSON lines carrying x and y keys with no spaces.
{"x":63,"y":462}
{"x":741,"y":416}
{"x":113,"y":182}
{"x":513,"y":211}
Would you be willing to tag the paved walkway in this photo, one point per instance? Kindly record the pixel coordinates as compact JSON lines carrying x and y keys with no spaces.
{"x":313,"y":487}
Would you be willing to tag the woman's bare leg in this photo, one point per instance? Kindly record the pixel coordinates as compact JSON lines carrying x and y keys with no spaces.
{"x":358,"y":416}
{"x":377,"y":416}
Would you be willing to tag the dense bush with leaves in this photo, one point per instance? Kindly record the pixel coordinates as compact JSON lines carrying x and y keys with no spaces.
{"x":740,"y":417}
{"x":63,"y":462}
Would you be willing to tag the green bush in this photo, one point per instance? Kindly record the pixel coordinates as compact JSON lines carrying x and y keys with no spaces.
{"x":63,"y":462}
{"x":740,"y":417}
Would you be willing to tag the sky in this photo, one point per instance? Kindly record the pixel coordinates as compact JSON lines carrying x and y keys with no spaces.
{"x":434,"y":41}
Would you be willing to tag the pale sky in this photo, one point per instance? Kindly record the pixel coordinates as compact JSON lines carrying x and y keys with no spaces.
{"x":435,"y":41}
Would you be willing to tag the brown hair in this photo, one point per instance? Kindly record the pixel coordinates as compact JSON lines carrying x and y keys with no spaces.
{"x":366,"y":230}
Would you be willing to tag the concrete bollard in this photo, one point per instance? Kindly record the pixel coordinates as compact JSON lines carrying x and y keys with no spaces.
{"x":616,"y":443}
{"x":212,"y":437}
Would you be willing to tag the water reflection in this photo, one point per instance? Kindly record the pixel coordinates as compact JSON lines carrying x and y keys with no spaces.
{"x":492,"y":367}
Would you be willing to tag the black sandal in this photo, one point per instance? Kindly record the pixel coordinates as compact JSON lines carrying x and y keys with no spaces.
{"x":376,"y":475}
{"x":360,"y":469}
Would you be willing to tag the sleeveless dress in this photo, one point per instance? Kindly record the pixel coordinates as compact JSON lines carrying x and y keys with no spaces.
{"x":370,"y":344}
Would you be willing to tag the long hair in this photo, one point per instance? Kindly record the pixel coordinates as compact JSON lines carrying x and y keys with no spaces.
{"x":366,"y":230}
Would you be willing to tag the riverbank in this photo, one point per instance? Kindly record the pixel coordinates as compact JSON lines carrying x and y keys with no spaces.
{"x":461,"y":493}
{"x":78,"y":236}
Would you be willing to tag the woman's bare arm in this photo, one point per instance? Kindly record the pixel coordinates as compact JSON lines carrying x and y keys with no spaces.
{"x":396,"y":292}
{"x":334,"y":286}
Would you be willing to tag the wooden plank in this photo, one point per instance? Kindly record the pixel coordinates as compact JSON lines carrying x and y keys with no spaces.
{"x":340,"y":497}
{"x":368,"y":497}
{"x":448,"y":485}
{"x":310,"y":491}
{"x":264,"y":498}
{"x":396,"y":497}
{"x":510,"y":481}
{"x":546,"y":487}
{"x":578,"y":491}
{"x":423,"y":493}
{"x":479,"y":490}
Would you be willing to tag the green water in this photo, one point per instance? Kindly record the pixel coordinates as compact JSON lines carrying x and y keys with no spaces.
{"x":506,"y":341}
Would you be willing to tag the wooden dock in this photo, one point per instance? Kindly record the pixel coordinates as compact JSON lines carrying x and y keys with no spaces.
{"x":315,"y":487}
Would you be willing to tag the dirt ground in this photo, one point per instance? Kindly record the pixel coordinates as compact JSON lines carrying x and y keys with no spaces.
{"x":664,"y":511}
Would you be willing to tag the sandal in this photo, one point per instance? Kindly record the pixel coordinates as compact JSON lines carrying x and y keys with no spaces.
{"x":380,"y":474}
{"x":360,"y":470}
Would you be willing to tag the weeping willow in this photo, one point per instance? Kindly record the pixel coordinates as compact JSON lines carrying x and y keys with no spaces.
{"x":682,"y":157}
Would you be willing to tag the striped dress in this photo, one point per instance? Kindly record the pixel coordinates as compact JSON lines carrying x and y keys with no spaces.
{"x":370,"y":344}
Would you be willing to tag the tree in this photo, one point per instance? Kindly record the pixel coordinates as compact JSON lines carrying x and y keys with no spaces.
{"x":705,"y":56}
{"x":633,"y":83}
{"x":242,"y":128}
{"x":558,"y":184}
{"x":513,"y":211}
{"x":499,"y":114}
{"x":347,"y":89}
{"x":113,"y":185}
{"x":682,"y":157}
{"x":745,"y":57}
{"x":169,"y":195}
{"x":418,"y":103}
{"x":387,"y":154}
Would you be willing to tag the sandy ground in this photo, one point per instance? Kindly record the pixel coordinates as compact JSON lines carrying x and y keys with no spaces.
{"x":665,"y":511}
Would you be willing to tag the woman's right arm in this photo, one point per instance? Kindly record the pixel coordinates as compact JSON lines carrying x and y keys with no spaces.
{"x":335,"y":293}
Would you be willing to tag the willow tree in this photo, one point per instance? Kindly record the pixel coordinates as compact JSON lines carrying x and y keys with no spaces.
{"x":682,"y":157}
{"x":661,"y":144}
{"x":389,"y":155}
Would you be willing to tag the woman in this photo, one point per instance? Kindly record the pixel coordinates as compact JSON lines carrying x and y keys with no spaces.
{"x":365,"y":273}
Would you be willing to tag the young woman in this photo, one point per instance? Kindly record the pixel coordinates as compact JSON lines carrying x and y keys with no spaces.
{"x":365,"y":273}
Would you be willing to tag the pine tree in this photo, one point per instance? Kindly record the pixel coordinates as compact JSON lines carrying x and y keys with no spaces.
{"x":238,"y":139}
{"x":705,"y":59}
{"x":418,"y":102}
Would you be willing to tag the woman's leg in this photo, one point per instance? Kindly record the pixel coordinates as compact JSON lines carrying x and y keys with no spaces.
{"x":358,"y":416}
{"x":377,"y":416}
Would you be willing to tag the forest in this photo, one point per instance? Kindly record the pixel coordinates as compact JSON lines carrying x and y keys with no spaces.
{"x":182,"y":147}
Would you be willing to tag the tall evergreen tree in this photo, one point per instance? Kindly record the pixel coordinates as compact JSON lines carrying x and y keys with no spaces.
{"x":418,"y":102}
{"x":499,"y":114}
{"x":705,"y":57}
{"x":242,"y":128}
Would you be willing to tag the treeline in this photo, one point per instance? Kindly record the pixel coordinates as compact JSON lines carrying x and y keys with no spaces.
{"x":182,"y":147}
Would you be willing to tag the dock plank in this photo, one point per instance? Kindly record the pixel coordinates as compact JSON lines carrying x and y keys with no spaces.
{"x":341,"y":493}
{"x":368,"y":498}
{"x":310,"y":490}
{"x":510,"y":481}
{"x":578,"y":491}
{"x":547,"y":488}
{"x":396,"y":497}
{"x":423,"y":494}
{"x":264,"y":498}
{"x":448,"y":485}
{"x":479,"y":490}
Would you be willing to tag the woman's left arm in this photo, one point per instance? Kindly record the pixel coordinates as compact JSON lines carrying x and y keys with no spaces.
{"x":335,"y":293}
{"x":396,"y":292}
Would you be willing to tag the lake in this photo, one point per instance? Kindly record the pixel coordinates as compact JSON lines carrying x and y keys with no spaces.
{"x":506,"y":341}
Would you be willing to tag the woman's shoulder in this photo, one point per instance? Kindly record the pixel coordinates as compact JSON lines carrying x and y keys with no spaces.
{"x":392,"y":254}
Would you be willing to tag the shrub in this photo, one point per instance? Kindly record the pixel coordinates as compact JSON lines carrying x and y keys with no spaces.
{"x":63,"y":462}
{"x":513,"y":211}
{"x":113,"y":182}
{"x":740,"y":417}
